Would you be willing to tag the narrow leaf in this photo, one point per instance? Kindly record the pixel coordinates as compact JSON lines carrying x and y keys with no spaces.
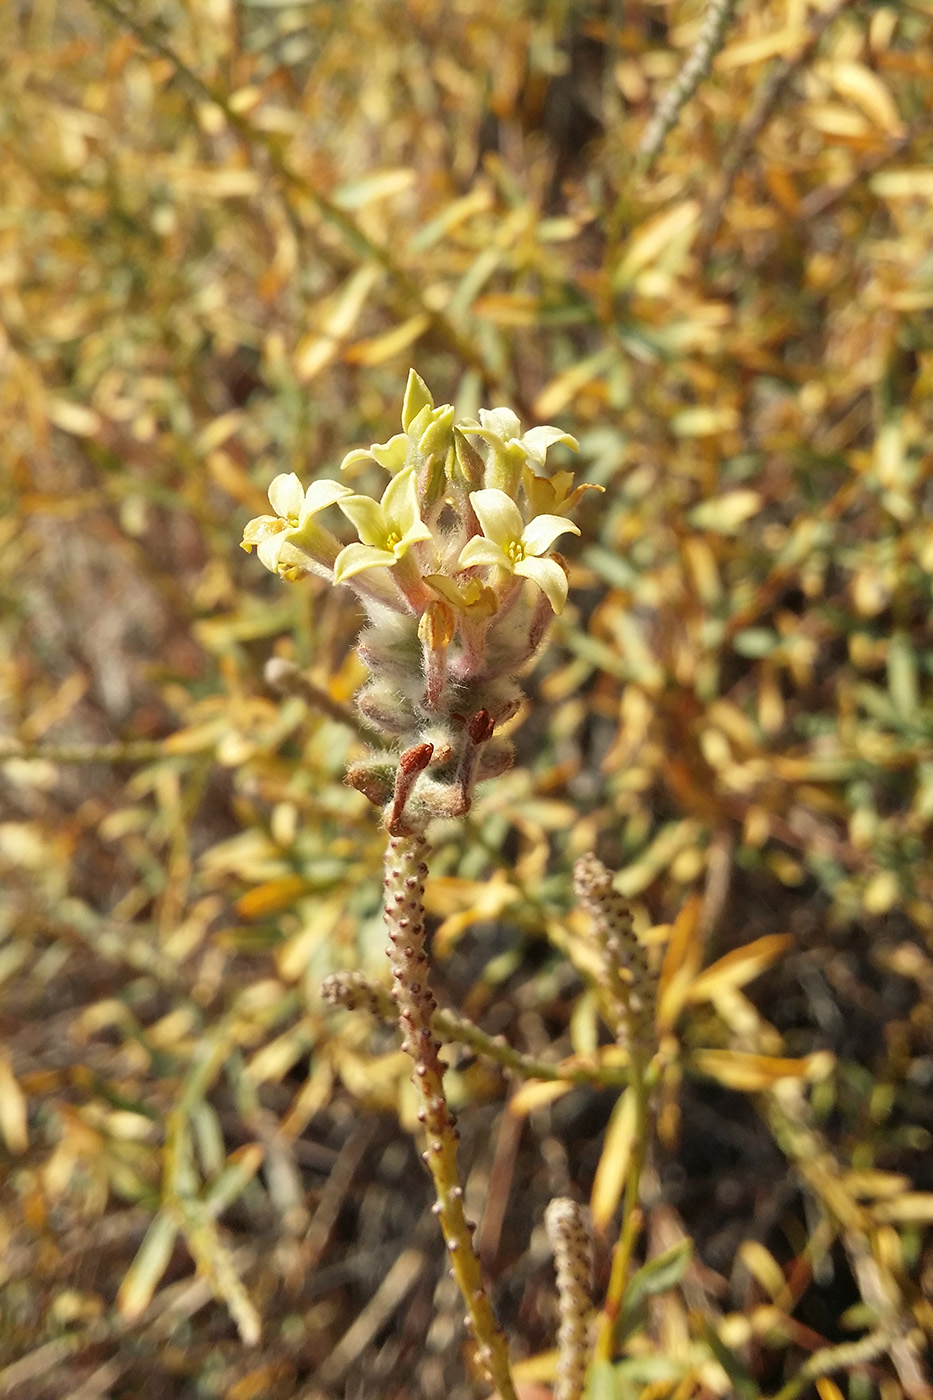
{"x":663,"y":1272}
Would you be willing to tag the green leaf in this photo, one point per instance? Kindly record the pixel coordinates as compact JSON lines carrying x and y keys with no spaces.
{"x":902,"y":677}
{"x":658,"y":1275}
{"x":601,"y":1382}
{"x":755,"y":642}
{"x":146,"y":1270}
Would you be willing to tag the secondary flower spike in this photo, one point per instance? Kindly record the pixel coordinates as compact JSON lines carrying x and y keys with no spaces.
{"x":454,"y":569}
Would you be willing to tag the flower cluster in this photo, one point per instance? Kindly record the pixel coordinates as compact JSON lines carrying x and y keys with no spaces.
{"x":455,"y":569}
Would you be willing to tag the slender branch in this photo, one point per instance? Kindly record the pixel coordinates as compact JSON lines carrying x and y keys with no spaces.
{"x":405,"y":873}
{"x":772,"y":89}
{"x":696,"y":67}
{"x":287,"y":678}
{"x":829,"y":1359}
{"x":355,"y":991}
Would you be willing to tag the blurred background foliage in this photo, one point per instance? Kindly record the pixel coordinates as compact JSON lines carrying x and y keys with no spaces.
{"x":226,"y":231}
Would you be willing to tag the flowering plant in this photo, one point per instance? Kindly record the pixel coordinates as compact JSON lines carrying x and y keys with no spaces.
{"x":456,"y":571}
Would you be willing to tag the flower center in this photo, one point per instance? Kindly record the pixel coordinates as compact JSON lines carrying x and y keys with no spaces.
{"x":392,"y":539}
{"x":515,"y":551}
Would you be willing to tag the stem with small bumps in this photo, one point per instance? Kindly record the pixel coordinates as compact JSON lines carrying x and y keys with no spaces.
{"x":568,"y":1231}
{"x":405,"y":873}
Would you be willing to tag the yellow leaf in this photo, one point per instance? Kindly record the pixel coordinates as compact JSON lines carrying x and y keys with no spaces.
{"x":318,"y":347}
{"x":874,"y":1183}
{"x":147,"y":1268}
{"x":863,"y":87}
{"x":739,"y":966}
{"x":704,"y":421}
{"x":542,"y":1367}
{"x":828,"y":1390}
{"x":614,"y":1160}
{"x":375,"y":1080}
{"x":272,"y":1062}
{"x":218,"y":184}
{"x":912,"y":183}
{"x":655,"y":237}
{"x":197,"y":737}
{"x":763,"y":1267}
{"x":558,"y":392}
{"x":464,"y":902}
{"x":836,"y":119}
{"x":507,"y":308}
{"x":73,"y":418}
{"x":750,"y":1073}
{"x":218,"y":430}
{"x":270,"y":897}
{"x":260,"y":1381}
{"x":13,"y":1116}
{"x":727,"y":513}
{"x":380,"y":185}
{"x":382,"y":347}
{"x":682,"y":959}
{"x":914,"y":1207}
{"x":779,"y":43}
{"x":538,"y":1094}
{"x":476,"y":202}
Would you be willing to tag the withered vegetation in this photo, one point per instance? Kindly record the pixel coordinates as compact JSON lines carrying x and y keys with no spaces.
{"x":226,"y":231}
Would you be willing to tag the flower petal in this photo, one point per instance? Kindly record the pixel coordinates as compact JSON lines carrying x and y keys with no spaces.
{"x":368,"y":517}
{"x":392,"y":454}
{"x":357,"y":557}
{"x":500,"y":423}
{"x":537,"y":441}
{"x":550,"y":578}
{"x":358,"y":454}
{"x":320,"y":495}
{"x":498,"y":515}
{"x":270,"y":549}
{"x":286,"y":495}
{"x":400,"y":503}
{"x":539,"y":534}
{"x":480,"y":551}
{"x":262,"y":528}
{"x":413,"y":535}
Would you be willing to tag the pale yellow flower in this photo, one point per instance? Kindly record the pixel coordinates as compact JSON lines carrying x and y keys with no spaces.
{"x":387,"y":529}
{"x":508,"y":543}
{"x":292,"y":523}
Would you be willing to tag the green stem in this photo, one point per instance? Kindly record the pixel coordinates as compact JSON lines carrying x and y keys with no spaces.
{"x":838,"y":1358}
{"x":405,"y":873}
{"x":354,"y":990}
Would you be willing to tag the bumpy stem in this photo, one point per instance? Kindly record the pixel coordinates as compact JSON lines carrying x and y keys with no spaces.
{"x":569,"y":1235}
{"x":405,"y":873}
